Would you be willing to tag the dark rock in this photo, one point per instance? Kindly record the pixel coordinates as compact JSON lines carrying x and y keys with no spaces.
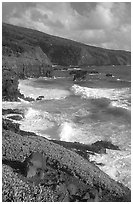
{"x":9,"y":125}
{"x":78,"y":74}
{"x":109,"y":75}
{"x":15,"y":117}
{"x":105,"y":145}
{"x":39,"y":98}
{"x":84,"y":150}
{"x":94,"y":72}
{"x":12,"y":111}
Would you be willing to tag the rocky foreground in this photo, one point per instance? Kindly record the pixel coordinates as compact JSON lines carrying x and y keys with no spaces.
{"x":36,"y":169}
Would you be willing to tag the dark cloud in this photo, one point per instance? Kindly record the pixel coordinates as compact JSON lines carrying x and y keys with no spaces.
{"x":105,"y":24}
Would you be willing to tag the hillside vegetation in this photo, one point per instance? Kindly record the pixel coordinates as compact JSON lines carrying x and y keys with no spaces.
{"x":18,"y":40}
{"x":30,"y":53}
{"x":20,"y":60}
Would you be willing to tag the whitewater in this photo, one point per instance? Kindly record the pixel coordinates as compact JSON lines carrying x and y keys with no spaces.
{"x":76,"y":112}
{"x":119,"y":97}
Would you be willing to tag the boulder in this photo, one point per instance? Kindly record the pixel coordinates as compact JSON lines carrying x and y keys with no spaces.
{"x":39,"y":98}
{"x":35,"y":165}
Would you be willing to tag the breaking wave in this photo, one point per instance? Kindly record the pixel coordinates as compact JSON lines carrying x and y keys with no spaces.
{"x":119,"y":97}
{"x":117,"y":164}
{"x":36,"y":121}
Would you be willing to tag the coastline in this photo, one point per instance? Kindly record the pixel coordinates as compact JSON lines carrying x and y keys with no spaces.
{"x":59,"y":128}
{"x":68,"y":161}
{"x":94,"y":154}
{"x":66,"y":105}
{"x":98,"y":152}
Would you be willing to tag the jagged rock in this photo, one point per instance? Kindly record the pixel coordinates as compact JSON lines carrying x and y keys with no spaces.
{"x":39,"y":98}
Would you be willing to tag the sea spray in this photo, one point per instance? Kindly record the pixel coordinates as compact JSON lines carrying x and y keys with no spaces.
{"x":66,"y":132}
{"x":71,"y":132}
{"x":117,"y":164}
{"x":36,"y":121}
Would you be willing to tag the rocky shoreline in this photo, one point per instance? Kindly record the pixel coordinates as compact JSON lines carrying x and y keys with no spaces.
{"x":35,"y":169}
{"x":67,"y":164}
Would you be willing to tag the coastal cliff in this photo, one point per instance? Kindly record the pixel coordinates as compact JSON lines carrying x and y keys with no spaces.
{"x":20,"y":60}
{"x":61,"y":51}
{"x":68,"y":176}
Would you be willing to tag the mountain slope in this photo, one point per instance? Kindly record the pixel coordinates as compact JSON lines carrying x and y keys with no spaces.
{"x":59,"y":50}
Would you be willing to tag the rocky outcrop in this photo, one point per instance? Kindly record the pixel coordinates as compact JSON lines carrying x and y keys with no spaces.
{"x":33,"y":62}
{"x":78,"y":74}
{"x":64,"y":167}
{"x":19,"y":61}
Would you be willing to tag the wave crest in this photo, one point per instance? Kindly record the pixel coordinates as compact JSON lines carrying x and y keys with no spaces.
{"x":118,"y":97}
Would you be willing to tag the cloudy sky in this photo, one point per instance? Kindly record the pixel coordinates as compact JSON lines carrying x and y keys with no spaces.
{"x":101,"y":24}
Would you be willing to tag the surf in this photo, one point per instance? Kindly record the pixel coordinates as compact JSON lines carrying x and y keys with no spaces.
{"x":118,"y":97}
{"x":30,"y":88}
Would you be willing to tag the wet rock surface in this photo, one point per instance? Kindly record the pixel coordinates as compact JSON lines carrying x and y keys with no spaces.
{"x":40,"y":98}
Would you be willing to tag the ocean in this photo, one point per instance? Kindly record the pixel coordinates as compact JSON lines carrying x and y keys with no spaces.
{"x":95,"y":109}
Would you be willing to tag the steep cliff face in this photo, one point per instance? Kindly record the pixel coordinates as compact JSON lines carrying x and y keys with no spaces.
{"x":59,"y":50}
{"x":100,"y":56}
{"x":28,"y":62}
{"x":30,"y":53}
{"x":20,"y":60}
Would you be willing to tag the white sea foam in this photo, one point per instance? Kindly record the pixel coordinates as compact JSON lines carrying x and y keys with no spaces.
{"x":71,"y":132}
{"x":117,"y":164}
{"x":36,"y":121}
{"x":27,"y":88}
{"x":23,"y":101}
{"x":119,"y":97}
{"x":66,"y":132}
{"x":14,"y":105}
